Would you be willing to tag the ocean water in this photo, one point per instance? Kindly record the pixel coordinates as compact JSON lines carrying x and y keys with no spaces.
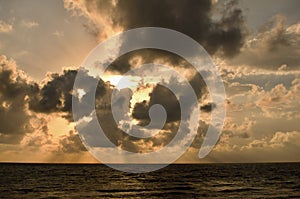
{"x":281,"y":180}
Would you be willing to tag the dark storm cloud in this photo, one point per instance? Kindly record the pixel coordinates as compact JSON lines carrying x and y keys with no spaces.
{"x":165,"y":97}
{"x":14,"y":89}
{"x":208,"y":107}
{"x":56,"y":94}
{"x":19,"y":98}
{"x":140,"y":111}
{"x":120,"y":138}
{"x":124,"y":63}
{"x":191,"y":17}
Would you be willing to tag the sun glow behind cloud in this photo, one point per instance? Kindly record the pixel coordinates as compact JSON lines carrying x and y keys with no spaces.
{"x":127,"y":81}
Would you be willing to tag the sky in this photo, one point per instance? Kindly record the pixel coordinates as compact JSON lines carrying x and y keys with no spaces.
{"x":254,"y":44}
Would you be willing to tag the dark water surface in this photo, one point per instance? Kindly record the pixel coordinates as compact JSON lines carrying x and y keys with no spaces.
{"x":271,"y":180}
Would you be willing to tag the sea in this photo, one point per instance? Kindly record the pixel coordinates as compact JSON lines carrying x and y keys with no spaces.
{"x":255,"y":180}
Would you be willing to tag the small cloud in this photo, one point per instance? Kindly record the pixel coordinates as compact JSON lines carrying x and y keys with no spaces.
{"x":58,"y":33}
{"x":283,"y":67}
{"x":29,"y":24}
{"x":208,"y":107}
{"x":5,"y":27}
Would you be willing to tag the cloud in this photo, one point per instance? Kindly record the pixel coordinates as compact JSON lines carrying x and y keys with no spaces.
{"x":25,"y":104}
{"x":281,"y":102}
{"x":71,"y":143}
{"x":223,"y":35}
{"x":163,"y":96}
{"x":58,"y":33}
{"x":282,"y":139}
{"x":274,"y":46}
{"x":55,"y":96}
{"x":279,"y":140}
{"x":189,"y":17}
{"x":5,"y":27}
{"x":25,"y":109}
{"x":139,"y":57}
{"x":22,"y":100}
{"x":29,"y":24}
{"x":14,"y":89}
{"x":242,"y":129}
{"x":280,"y":147}
{"x":261,"y":103}
{"x":38,"y":138}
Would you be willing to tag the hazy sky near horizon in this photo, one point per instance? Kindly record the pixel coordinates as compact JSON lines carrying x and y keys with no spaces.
{"x":255,"y":45}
